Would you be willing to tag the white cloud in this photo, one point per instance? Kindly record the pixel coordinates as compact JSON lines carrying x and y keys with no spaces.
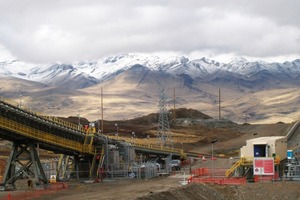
{"x":66,"y":31}
{"x":5,"y":54}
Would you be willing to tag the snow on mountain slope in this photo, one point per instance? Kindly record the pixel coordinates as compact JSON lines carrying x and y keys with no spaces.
{"x":15,"y":68}
{"x":242,"y":66}
{"x":106,"y":68}
{"x":131,"y":81}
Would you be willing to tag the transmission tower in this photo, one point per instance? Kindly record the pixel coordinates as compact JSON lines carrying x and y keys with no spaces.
{"x":163,"y":131}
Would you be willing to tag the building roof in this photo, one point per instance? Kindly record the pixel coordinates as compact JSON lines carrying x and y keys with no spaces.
{"x":263,"y":140}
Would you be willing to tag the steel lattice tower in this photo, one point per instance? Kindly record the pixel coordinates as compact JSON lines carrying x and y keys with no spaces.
{"x":163,"y":131}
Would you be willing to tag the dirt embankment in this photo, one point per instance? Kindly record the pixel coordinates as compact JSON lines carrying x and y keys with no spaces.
{"x":250,"y":191}
{"x":169,"y":188}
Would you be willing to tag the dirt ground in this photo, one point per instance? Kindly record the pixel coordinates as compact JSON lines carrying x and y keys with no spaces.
{"x":167,"y":188}
{"x":250,"y":191}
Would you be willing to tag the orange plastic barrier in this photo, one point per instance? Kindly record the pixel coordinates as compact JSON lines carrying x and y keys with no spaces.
{"x":221,"y":181}
{"x":208,"y":172}
{"x":58,"y":186}
{"x":35,"y":194}
{"x":205,"y":175}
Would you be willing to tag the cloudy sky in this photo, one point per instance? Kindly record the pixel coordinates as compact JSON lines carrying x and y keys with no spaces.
{"x":41,"y":31}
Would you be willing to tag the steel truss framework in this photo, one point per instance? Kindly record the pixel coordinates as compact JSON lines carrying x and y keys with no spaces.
{"x":24,"y":161}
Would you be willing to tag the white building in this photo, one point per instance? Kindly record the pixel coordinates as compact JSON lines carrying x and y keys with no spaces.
{"x":274,"y":146}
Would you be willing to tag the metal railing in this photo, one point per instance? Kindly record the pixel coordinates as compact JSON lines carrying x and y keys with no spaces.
{"x":292,"y":129}
{"x":63,"y":122}
{"x":49,"y":118}
{"x":241,"y":162}
{"x":234,"y":167}
{"x":151,"y":146}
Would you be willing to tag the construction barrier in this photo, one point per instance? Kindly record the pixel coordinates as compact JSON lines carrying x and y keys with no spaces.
{"x":217,"y":180}
{"x":58,"y":186}
{"x":216,"y":176}
{"x":218,"y":172}
{"x":35,"y":194}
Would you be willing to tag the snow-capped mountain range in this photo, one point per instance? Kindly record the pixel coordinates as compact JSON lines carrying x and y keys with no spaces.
{"x":257,"y":91}
{"x":93,"y":72}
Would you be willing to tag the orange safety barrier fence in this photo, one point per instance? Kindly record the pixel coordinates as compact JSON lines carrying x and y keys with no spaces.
{"x":208,"y":172}
{"x":217,"y":176}
{"x":58,"y":186}
{"x":220,"y":181}
{"x":35,"y":194}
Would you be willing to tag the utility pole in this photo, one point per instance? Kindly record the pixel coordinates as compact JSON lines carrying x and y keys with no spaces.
{"x":174,"y":112}
{"x":101,"y":110}
{"x":219,"y":103}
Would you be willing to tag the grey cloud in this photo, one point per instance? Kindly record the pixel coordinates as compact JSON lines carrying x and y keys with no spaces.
{"x":66,"y":31}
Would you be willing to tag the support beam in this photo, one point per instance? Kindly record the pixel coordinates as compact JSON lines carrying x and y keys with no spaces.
{"x":24,"y":162}
{"x":65,"y":164}
{"x":76,"y":160}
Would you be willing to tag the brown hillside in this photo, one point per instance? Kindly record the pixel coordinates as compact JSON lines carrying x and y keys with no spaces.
{"x":192,"y":130}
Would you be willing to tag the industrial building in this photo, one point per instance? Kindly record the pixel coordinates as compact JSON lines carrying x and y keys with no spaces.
{"x":274,"y":146}
{"x":261,"y":156}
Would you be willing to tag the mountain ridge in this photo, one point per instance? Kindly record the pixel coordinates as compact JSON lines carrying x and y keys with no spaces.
{"x":106,"y":68}
{"x":251,"y":91}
